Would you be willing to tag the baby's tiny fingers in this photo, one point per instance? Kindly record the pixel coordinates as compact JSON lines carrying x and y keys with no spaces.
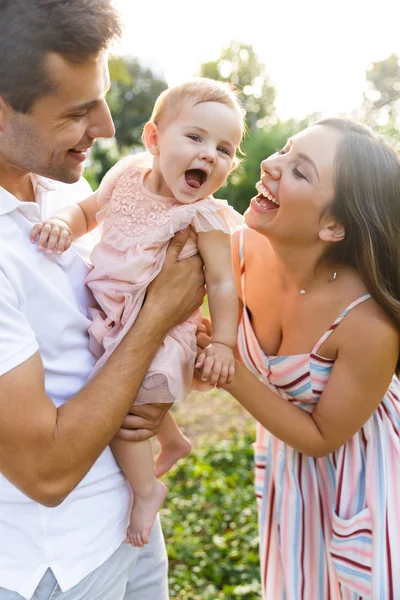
{"x":231,"y":373}
{"x":63,"y":241}
{"x":216,"y":372}
{"x":224,"y":374}
{"x":200,"y":360}
{"x":36,"y":229}
{"x":44,"y":235}
{"x":53,"y":239}
{"x":207,"y":368}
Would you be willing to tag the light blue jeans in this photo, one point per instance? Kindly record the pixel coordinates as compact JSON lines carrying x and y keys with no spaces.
{"x":129,"y":574}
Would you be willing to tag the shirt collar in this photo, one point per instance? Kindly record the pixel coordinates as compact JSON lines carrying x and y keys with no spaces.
{"x":40,"y":184}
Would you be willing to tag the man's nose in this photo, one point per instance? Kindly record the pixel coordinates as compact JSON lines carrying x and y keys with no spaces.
{"x":101,"y":125}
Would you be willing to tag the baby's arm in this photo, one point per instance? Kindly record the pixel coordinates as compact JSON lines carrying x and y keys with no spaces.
{"x":217,"y":359}
{"x":58,"y":232}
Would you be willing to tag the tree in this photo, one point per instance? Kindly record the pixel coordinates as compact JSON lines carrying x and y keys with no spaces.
{"x":382,"y":99}
{"x":240,"y":66}
{"x":134,"y":90}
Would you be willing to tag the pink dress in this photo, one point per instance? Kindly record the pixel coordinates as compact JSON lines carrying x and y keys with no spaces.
{"x":136,"y":228}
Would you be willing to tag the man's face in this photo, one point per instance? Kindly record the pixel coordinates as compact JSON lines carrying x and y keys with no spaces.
{"x":54,"y":138}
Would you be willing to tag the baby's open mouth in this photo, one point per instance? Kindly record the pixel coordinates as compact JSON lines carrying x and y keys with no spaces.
{"x":195,"y":177}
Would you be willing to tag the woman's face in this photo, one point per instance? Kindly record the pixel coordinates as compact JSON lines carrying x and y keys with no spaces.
{"x":296,"y":185}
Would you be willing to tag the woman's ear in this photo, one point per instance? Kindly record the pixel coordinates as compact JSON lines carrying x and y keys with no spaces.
{"x":332,"y":231}
{"x":151,"y":137}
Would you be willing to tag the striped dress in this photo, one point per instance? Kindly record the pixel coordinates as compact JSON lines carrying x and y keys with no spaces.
{"x":329,"y":527}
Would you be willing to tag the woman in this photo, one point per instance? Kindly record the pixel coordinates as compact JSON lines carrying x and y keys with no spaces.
{"x":319,"y":272}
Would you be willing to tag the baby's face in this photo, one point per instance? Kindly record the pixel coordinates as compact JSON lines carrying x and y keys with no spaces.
{"x":197,"y":150}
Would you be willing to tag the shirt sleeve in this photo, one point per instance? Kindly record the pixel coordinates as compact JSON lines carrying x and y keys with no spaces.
{"x":17,"y":339}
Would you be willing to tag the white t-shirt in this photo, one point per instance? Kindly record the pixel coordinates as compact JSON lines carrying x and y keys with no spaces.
{"x":44,"y":306}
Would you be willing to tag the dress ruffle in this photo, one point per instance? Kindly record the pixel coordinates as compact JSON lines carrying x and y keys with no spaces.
{"x":205,"y":215}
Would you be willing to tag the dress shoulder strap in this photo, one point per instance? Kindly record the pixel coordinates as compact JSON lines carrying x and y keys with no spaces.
{"x":338,"y":320}
{"x":242,"y":266}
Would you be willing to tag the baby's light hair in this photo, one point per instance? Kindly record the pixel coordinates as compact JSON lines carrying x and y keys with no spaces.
{"x":196,"y":91}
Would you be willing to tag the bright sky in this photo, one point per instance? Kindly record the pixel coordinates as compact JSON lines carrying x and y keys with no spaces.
{"x":315,"y":51}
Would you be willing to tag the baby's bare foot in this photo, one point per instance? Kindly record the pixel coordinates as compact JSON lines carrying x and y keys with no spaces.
{"x":144,"y":512}
{"x":170,"y":454}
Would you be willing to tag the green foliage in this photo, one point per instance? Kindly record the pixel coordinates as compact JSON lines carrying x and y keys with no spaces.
{"x":210,"y":524}
{"x":240,"y":66}
{"x":134,"y":90}
{"x":382,"y":99}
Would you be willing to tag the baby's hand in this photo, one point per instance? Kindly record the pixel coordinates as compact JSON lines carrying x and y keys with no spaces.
{"x":218,"y":364}
{"x":54,"y":234}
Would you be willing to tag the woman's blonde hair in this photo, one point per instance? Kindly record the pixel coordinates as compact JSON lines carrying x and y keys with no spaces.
{"x":196,"y":91}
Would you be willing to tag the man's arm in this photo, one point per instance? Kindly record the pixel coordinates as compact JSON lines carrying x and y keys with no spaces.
{"x":45,"y":451}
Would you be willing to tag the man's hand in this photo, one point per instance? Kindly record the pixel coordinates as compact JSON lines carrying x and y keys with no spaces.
{"x":143,"y":422}
{"x":178,"y":290}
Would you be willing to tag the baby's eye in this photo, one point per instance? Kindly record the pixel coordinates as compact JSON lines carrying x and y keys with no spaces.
{"x":194,"y":137}
{"x":224,"y":150}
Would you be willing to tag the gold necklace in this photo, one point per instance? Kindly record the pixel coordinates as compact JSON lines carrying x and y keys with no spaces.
{"x":333,"y":278}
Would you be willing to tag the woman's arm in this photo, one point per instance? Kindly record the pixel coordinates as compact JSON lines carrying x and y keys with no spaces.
{"x":361,"y":375}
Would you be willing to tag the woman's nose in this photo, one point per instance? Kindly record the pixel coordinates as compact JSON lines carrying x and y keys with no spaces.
{"x":270,"y":166}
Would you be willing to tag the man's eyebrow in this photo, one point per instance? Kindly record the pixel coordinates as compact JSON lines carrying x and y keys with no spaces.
{"x":310,"y":162}
{"x":85,"y":105}
{"x":81,"y":107}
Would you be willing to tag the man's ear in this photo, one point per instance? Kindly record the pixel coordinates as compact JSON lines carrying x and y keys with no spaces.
{"x":332,"y":231}
{"x":151,"y":136}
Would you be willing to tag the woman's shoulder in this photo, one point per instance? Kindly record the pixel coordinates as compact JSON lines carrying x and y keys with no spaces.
{"x":367,"y":325}
{"x":253,"y":246}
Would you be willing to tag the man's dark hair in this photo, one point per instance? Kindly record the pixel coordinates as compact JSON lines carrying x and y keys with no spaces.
{"x":30,"y":29}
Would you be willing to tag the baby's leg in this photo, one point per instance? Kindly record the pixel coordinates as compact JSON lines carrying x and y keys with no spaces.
{"x":136,"y":462}
{"x":174,"y":445}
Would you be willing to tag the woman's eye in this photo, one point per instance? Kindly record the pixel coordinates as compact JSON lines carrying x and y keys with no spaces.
{"x":298,"y":174}
{"x":281,"y":150}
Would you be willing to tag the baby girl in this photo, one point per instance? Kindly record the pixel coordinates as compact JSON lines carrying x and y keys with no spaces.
{"x":192,"y":140}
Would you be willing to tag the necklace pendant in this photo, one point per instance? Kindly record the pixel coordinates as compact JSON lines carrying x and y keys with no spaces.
{"x":302,"y":292}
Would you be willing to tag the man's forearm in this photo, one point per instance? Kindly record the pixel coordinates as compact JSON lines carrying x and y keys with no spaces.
{"x":86,"y":423}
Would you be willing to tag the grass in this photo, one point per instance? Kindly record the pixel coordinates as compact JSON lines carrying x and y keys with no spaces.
{"x":209,"y":518}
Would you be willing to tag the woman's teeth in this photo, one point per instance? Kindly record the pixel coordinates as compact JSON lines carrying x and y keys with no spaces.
{"x":264,"y":192}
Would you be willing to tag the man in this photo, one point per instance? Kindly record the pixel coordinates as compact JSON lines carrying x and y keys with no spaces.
{"x":63,"y":500}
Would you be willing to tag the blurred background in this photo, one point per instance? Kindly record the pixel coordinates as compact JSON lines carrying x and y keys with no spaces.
{"x":293,"y":62}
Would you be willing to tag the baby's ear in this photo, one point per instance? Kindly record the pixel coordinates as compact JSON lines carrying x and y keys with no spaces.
{"x":235,"y":163}
{"x":151,"y":136}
